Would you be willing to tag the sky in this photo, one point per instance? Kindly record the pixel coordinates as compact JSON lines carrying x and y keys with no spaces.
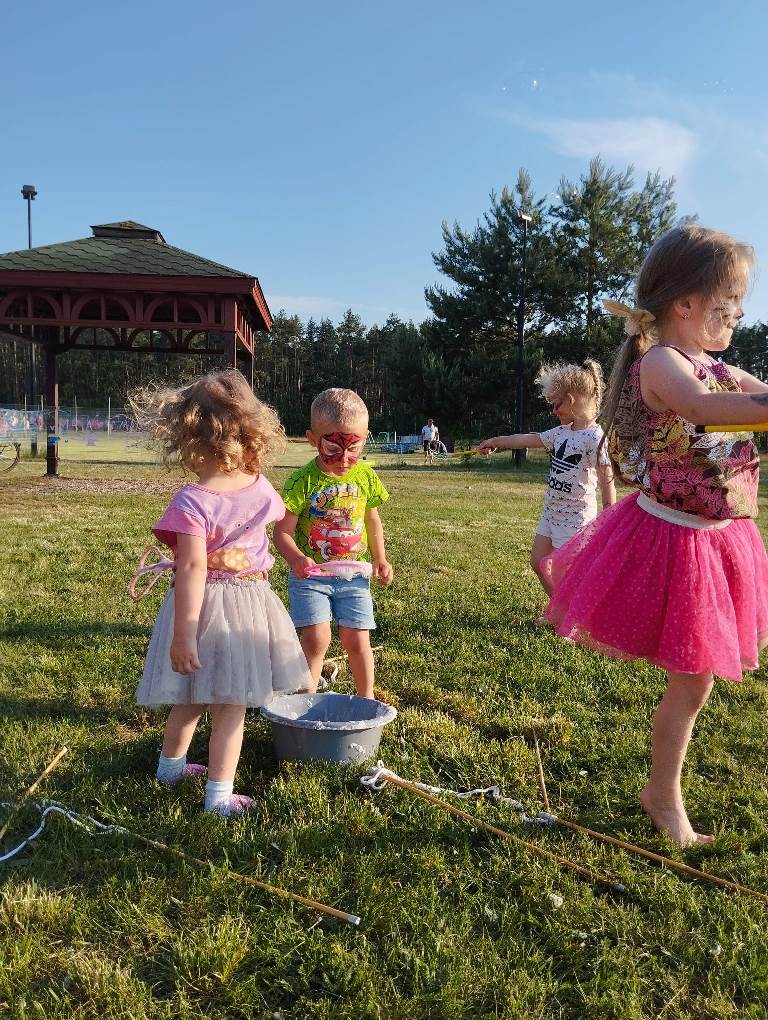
{"x":320,"y":147}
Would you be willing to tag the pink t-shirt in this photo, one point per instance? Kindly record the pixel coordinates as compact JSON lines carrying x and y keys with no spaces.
{"x":232,"y":524}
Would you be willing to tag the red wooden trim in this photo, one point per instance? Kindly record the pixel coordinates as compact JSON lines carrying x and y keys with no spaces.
{"x":6,"y":321}
{"x":261,"y":304}
{"x":20,"y":278}
{"x":197,"y":290}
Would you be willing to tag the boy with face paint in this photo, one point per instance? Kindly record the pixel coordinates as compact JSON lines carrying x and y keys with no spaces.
{"x":332,"y":516}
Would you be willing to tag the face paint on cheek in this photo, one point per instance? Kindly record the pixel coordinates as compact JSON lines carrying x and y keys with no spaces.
{"x":334,"y":445}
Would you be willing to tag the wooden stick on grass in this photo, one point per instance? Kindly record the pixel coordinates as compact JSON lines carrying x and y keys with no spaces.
{"x":275,"y":890}
{"x":623,"y":845}
{"x":31,"y":789}
{"x":480,"y":824}
{"x":661,"y":859}
{"x":341,"y":658}
{"x":539,"y":762}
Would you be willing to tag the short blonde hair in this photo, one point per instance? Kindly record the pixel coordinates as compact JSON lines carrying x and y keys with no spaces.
{"x":338,"y":407}
{"x":216,"y":416}
{"x":585,"y":380}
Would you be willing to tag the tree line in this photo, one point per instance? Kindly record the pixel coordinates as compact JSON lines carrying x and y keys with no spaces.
{"x":583,"y":244}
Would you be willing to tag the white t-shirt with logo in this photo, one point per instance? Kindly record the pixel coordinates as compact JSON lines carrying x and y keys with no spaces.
{"x":571,"y":499}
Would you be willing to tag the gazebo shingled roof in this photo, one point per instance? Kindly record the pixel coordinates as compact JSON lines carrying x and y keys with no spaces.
{"x":126,"y":288}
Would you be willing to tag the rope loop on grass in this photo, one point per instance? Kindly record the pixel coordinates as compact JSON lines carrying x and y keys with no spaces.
{"x":48,"y":807}
{"x":378,"y":776}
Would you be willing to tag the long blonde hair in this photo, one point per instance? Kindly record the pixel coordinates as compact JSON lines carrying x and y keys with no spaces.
{"x":688,"y":259}
{"x":584,"y":380}
{"x":216,"y":416}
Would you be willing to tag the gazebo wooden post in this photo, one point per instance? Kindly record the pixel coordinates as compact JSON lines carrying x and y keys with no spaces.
{"x":51,"y":408}
{"x":230,"y":342}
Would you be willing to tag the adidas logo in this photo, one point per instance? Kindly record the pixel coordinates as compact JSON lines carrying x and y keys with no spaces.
{"x":560,"y":462}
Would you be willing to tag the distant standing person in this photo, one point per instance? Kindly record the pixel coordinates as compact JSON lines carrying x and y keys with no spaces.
{"x":428,"y":436}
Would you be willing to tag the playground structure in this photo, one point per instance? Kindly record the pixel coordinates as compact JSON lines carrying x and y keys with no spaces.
{"x":388,"y":442}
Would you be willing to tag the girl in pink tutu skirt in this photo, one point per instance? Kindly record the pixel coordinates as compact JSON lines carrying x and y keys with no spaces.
{"x":677,"y":572}
{"x":223,"y":640}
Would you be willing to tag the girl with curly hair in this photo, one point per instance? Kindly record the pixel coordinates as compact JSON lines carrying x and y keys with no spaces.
{"x":222,"y":640}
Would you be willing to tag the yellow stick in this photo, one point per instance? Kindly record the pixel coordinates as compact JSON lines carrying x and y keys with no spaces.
{"x":31,"y":789}
{"x":761,"y":427}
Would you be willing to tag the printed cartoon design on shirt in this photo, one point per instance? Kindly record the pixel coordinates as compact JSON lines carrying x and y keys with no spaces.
{"x":330,"y":510}
{"x":337,"y":517}
{"x":235,"y":558}
{"x":232,"y":524}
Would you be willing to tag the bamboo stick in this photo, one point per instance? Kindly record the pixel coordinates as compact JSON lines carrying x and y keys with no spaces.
{"x":275,"y":890}
{"x":31,"y":789}
{"x":539,"y":762}
{"x":661,"y":859}
{"x":341,"y":658}
{"x":480,"y":824}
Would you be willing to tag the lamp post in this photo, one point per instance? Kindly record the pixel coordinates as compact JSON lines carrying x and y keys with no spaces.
{"x":29,"y":194}
{"x":520,"y":454}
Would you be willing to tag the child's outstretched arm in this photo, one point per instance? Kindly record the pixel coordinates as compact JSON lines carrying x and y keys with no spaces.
{"x":668,"y":382}
{"x":189,"y":587}
{"x":749,"y":383}
{"x":285,"y":544}
{"x":520,"y":441}
{"x":382,"y":569}
{"x":607,"y":487}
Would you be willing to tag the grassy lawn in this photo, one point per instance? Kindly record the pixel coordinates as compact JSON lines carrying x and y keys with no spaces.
{"x":455,"y":923}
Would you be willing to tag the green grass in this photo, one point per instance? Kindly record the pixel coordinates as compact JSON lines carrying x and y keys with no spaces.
{"x":456,"y":923}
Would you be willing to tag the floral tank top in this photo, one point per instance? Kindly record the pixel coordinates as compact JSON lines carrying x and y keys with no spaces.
{"x":713,"y":474}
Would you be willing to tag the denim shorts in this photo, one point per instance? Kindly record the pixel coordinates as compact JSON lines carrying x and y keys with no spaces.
{"x":321,"y":599}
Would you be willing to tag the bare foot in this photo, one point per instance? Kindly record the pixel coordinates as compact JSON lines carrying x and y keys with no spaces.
{"x":671,"y":818}
{"x":541,"y":621}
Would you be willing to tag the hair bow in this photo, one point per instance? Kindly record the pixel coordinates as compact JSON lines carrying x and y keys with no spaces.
{"x":636,"y":320}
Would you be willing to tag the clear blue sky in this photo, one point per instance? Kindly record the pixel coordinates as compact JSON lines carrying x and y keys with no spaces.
{"x":320,"y":146}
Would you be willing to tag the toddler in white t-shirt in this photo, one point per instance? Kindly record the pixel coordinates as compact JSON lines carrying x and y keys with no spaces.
{"x":577,"y":461}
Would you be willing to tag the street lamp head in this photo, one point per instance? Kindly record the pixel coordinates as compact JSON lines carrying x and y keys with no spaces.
{"x":526,"y":217}
{"x":28,"y":191}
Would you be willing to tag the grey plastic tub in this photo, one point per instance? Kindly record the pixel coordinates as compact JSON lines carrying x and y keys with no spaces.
{"x":327,"y":727}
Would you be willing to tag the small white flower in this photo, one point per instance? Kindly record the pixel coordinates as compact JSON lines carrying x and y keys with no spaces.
{"x":555,"y":900}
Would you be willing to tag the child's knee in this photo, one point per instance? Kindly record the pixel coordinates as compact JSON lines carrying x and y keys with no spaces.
{"x":354,"y":640}
{"x":317,"y":638}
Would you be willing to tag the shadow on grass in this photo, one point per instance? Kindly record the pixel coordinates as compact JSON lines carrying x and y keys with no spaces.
{"x":50,"y":634}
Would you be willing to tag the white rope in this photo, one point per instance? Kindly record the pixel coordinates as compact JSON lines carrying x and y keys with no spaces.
{"x":325,"y":682}
{"x":376,"y":779}
{"x":47,"y":807}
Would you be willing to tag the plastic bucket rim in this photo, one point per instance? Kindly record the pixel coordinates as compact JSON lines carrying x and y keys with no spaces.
{"x":342,"y":725}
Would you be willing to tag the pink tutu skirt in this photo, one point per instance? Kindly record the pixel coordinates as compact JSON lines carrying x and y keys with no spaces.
{"x":688,"y":600}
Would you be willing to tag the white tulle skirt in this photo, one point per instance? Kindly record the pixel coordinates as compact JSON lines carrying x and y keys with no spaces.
{"x":246,"y":643}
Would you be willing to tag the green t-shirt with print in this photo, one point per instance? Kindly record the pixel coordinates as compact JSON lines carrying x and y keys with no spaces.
{"x":331,"y":510}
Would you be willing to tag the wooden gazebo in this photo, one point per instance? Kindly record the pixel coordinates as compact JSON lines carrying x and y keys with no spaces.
{"x":125,"y":289}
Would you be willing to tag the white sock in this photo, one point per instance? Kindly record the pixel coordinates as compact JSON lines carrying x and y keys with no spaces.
{"x":169,"y":770}
{"x":217,"y":794}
